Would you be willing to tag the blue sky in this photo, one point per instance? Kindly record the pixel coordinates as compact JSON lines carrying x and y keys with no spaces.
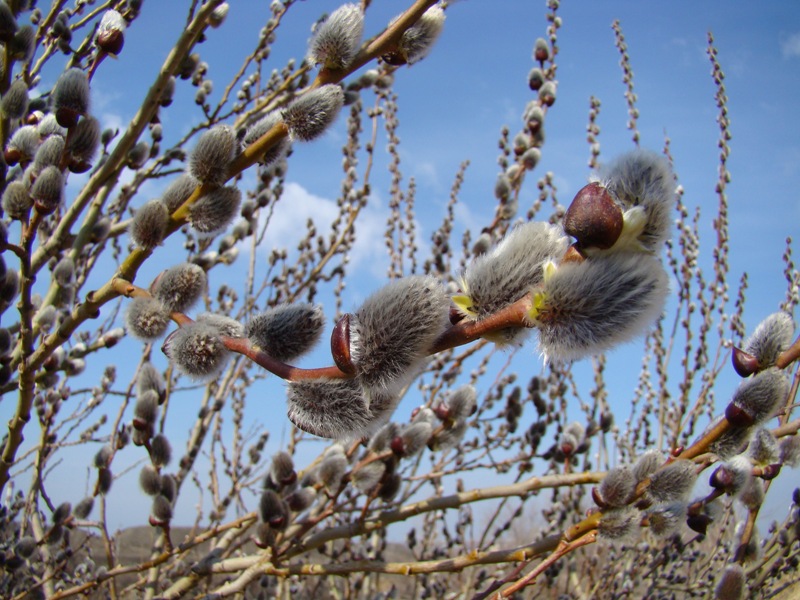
{"x":454,"y":103}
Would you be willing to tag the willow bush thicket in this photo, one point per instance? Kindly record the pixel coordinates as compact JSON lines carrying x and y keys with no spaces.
{"x":660,"y":502}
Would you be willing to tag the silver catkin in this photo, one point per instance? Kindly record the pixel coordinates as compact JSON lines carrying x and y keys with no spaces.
{"x":214,"y":211}
{"x":312,"y":113}
{"x":212,"y":154}
{"x":330,"y":408}
{"x":337,"y":39}
{"x":772,"y":336}
{"x":287,"y":331}
{"x":180,"y":287}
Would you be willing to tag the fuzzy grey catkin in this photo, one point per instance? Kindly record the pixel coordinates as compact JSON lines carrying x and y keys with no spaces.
{"x":23,"y":44}
{"x":160,"y":451}
{"x":214,"y":211}
{"x":287,"y":331}
{"x":102,"y":457}
{"x":23,"y":145}
{"x":329,"y":408}
{"x":618,"y":486}
{"x":212,"y":154}
{"x":180,"y":287}
{"x":49,"y":126}
{"x":312,"y":113}
{"x":368,"y":476}
{"x":761,"y":395}
{"x":84,"y":139}
{"x":48,"y":190}
{"x":179,"y":191}
{"x":415,"y":437}
{"x":647,"y":464}
{"x":161,"y":509}
{"x":393,"y":329}
{"x":104,"y":480}
{"x":168,"y":487}
{"x":732,"y":584}
{"x":771,"y":337}
{"x":197,"y":351}
{"x":672,"y":483}
{"x":332,"y":469}
{"x":260,"y":128}
{"x":71,"y":97}
{"x":149,"y":224}
{"x":592,"y":306}
{"x":763,"y":448}
{"x":49,"y":153}
{"x":502,"y":276}
{"x":16,"y":201}
{"x":790,"y":451}
{"x":14,"y":104}
{"x":462,"y":402}
{"x":644,"y":178}
{"x":61,"y":512}
{"x":146,"y":319}
{"x":337,"y":39}
{"x":619,"y":524}
{"x":64,"y":272}
{"x":149,"y":379}
{"x":150,"y":480}
{"x":83,"y":508}
{"x":224,"y":325}
{"x":8,"y":23}
{"x":383,"y":437}
{"x":666,"y":518}
{"x":418,"y":40}
{"x":272,"y":509}
{"x":281,"y":469}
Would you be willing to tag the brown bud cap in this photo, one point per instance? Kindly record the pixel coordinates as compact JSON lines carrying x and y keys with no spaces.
{"x":743,"y":363}
{"x":340,"y":345}
{"x":738,"y":417}
{"x":770,"y":471}
{"x":699,"y":523}
{"x":593,"y":218}
{"x":111,"y":41}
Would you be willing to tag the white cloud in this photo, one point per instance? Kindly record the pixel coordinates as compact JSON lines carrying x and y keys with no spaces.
{"x":297,"y":205}
{"x":790,"y":46}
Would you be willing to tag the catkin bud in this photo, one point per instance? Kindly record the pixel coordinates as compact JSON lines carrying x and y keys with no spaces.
{"x":49,"y":153}
{"x":160,"y":451}
{"x":368,"y":476}
{"x":282,"y":469}
{"x":758,"y":398}
{"x":733,"y":476}
{"x":84,"y":140}
{"x":672,"y":483}
{"x":83,"y":508}
{"x":213,"y":212}
{"x":502,"y":276}
{"x":643,"y":178}
{"x":619,"y":524}
{"x":71,"y":97}
{"x":337,"y":39}
{"x":224,"y":325}
{"x":259,"y":129}
{"x":287,"y":331}
{"x":150,"y":379}
{"x":536,"y":79}
{"x":168,"y":487}
{"x":8,"y":24}
{"x":418,"y":40}
{"x":104,"y":480}
{"x":213,"y":153}
{"x":618,"y":487}
{"x":147,"y":319}
{"x":25,"y":547}
{"x":591,"y":306}
{"x":197,"y":351}
{"x":332,"y":469}
{"x":312,"y":113}
{"x":415,"y":437}
{"x":23,"y":44}
{"x":64,"y":272}
{"x":392,"y":331}
{"x":666,"y":518}
{"x":102,"y":457}
{"x":48,"y":190}
{"x":180,"y":287}
{"x":16,"y":201}
{"x":790,"y":451}
{"x":149,"y":224}
{"x":272,"y":510}
{"x":146,"y":408}
{"x":179,"y":191}
{"x":541,"y":50}
{"x":161,"y":510}
{"x":330,"y":408}
{"x":772,"y":336}
{"x":61,"y":512}
{"x":22,"y":146}
{"x":217,"y":16}
{"x":150,"y":480}
{"x":763,"y":448}
{"x":301,"y":499}
{"x":731,"y":585}
{"x":110,"y":35}
{"x":49,"y":126}
{"x":14,"y":104}
{"x":547,"y":93}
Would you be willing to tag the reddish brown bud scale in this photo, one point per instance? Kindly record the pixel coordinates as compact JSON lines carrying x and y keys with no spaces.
{"x":340,"y":345}
{"x":738,"y":417}
{"x":743,"y":363}
{"x":111,"y":41}
{"x":593,"y":218}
